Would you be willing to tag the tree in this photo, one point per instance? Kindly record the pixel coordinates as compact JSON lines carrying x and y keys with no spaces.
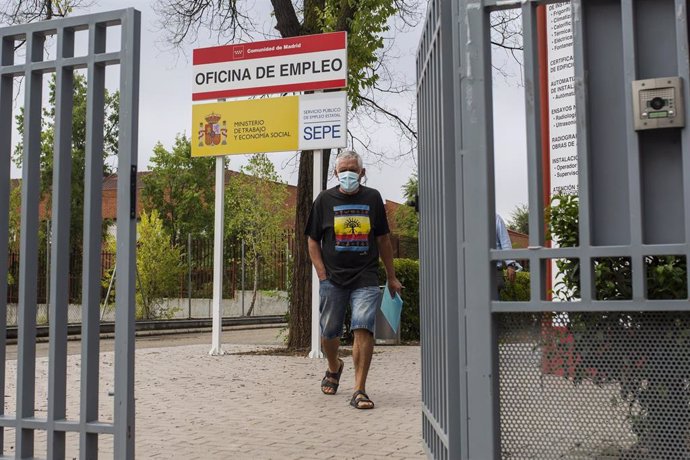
{"x":15,"y":218}
{"x":406,"y":217}
{"x":180,"y":188}
{"x":111,"y":133}
{"x":25,"y":11}
{"x":519,"y":219}
{"x":159,"y":267}
{"x":255,"y":211}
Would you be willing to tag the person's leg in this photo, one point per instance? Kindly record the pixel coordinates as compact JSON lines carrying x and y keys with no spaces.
{"x":362,"y":350}
{"x":333,"y":301}
{"x":365,"y":302}
{"x":500,"y":282}
{"x":330,"y":349}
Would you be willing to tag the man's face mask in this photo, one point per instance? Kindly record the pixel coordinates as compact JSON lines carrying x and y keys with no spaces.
{"x":349,"y":181}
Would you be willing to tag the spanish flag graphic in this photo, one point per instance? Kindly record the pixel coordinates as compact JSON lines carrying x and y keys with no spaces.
{"x":352,"y":227}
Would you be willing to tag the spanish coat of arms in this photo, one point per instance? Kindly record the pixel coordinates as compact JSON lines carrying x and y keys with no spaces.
{"x":212,"y":133}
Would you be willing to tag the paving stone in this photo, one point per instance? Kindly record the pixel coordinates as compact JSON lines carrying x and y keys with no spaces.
{"x":192,"y":405}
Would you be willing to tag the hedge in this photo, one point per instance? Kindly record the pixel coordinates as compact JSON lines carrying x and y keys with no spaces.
{"x":519,"y":290}
{"x":407,"y":272}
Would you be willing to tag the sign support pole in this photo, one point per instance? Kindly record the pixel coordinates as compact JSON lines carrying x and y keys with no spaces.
{"x":315,"y":326}
{"x":218,"y":232}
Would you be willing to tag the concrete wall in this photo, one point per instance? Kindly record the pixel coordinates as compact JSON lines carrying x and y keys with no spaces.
{"x":268,"y":303}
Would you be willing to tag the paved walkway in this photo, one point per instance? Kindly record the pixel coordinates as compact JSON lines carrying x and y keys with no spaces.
{"x":251,"y":406}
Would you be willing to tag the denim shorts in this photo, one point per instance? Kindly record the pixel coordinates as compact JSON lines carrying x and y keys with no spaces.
{"x":335,"y":299}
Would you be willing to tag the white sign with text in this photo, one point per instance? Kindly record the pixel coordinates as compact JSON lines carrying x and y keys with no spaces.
{"x":563,"y":128}
{"x":323,"y":121}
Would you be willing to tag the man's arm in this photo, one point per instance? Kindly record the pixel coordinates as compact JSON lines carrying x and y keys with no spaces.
{"x":316,"y":258}
{"x":386,"y":253}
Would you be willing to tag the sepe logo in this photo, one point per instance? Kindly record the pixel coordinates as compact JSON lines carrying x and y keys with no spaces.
{"x":238,"y":52}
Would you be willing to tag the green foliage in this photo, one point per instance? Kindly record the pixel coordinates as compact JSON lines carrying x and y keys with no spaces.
{"x":366,"y":25}
{"x":407,"y":271}
{"x":407,"y":221}
{"x":411,"y":188}
{"x":563,"y":228}
{"x":255,"y":211}
{"x":406,"y":218}
{"x":519,"y":219}
{"x":111,"y":132}
{"x":180,"y":188}
{"x":15,"y":218}
{"x":159,"y":266}
{"x":255,"y":205}
{"x":666,"y":275}
{"x":519,"y":291}
{"x":407,"y":246}
{"x":563,"y":219}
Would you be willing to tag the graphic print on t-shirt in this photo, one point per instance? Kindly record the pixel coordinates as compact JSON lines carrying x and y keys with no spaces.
{"x":352,"y":227}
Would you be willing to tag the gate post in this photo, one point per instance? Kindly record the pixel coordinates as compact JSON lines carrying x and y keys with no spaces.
{"x":477,"y":199}
{"x":127,"y":237}
{"x":88,"y":426}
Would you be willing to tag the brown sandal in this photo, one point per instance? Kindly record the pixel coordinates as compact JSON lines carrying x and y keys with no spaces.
{"x":325,"y":383}
{"x":363,"y":398}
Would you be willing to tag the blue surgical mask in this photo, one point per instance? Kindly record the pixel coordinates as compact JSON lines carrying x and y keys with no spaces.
{"x":349,"y":181}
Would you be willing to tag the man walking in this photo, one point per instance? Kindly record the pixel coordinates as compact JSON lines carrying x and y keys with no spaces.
{"x":348,"y":232}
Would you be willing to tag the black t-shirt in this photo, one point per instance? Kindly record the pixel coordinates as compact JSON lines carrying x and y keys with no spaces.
{"x":347,"y":227}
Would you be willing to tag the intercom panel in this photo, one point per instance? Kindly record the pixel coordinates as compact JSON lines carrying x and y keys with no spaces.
{"x":658,"y":103}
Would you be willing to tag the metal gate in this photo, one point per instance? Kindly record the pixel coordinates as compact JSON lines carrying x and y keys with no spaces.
{"x":597,"y":375}
{"x":24,"y":421}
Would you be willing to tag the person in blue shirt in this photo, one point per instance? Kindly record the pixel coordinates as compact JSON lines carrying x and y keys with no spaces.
{"x":503,"y":242}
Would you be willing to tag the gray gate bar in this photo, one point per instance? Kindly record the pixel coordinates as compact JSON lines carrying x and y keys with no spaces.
{"x":28,"y":265}
{"x":126,"y":237}
{"x":634,"y":183}
{"x":91,"y":295}
{"x":59,"y":296}
{"x":88,"y":426}
{"x":6,"y":57}
{"x":477,"y":199}
{"x":581,"y":100}
{"x":80,"y":62}
{"x":534,"y":151}
{"x":581,"y":103}
{"x":682,"y":40}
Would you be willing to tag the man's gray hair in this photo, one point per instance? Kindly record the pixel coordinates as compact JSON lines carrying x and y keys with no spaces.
{"x":348,"y":154}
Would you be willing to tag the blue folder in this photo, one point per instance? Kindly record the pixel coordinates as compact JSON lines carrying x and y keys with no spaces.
{"x":391,"y":307}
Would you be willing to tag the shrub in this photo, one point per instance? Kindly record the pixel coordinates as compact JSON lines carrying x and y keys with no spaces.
{"x":517,"y":291}
{"x":407,"y":271}
{"x":159,"y":268}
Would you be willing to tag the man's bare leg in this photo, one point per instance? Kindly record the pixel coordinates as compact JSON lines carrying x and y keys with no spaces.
{"x":330,"y":349}
{"x":362,"y":350}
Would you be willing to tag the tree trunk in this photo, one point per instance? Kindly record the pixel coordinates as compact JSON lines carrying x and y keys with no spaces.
{"x":287,"y":22}
{"x":326,"y":172}
{"x":299,"y":334}
{"x":256,"y":285}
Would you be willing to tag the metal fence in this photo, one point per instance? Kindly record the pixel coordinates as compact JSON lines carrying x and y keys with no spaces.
{"x":196,"y":282}
{"x":592,"y":376}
